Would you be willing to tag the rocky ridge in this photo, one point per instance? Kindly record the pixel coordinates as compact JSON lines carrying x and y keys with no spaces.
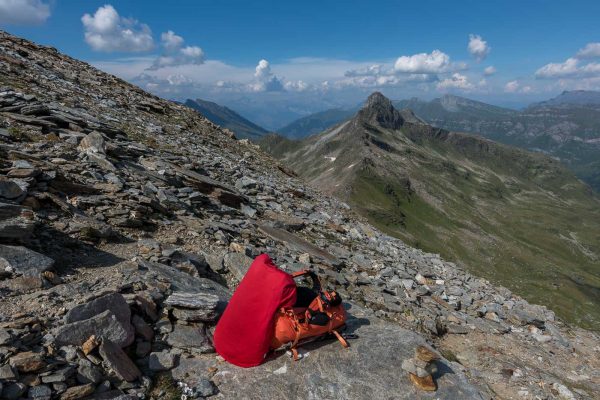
{"x":126,"y":220}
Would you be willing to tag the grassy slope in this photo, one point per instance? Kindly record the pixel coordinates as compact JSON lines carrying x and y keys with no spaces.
{"x":504,"y":225}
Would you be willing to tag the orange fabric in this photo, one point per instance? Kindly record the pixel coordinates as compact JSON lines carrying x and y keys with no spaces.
{"x":288,"y":329}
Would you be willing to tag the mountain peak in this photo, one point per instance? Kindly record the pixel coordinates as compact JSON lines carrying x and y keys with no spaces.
{"x":378,"y":99}
{"x":378,"y":110}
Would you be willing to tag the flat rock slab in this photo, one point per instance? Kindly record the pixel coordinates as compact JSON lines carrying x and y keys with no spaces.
{"x":369,"y":369}
{"x":191,"y":338}
{"x":299,"y":244}
{"x":114,"y":302}
{"x":195,"y":306}
{"x":181,"y":281}
{"x":105,"y":325}
{"x":24,"y":261}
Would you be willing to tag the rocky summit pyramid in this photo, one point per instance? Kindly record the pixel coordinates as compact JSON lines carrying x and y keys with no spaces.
{"x":518,"y":218}
{"x":127,"y":220}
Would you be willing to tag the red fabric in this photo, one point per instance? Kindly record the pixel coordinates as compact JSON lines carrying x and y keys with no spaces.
{"x":243,"y":334}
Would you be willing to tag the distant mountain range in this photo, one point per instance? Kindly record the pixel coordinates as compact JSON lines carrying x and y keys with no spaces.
{"x":521,"y":219}
{"x":566,"y":127}
{"x":315,"y":123}
{"x":227,"y":118}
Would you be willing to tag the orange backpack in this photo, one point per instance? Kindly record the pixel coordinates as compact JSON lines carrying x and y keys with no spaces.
{"x":323,"y":315}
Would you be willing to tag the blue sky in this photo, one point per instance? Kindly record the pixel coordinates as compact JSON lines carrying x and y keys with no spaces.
{"x":299,"y":57}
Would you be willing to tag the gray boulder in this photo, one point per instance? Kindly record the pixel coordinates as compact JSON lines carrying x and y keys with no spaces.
{"x":24,"y":261}
{"x":105,"y":325}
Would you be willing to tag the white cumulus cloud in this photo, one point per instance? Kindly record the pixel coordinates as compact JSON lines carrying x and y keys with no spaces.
{"x":265,"y":80}
{"x":456,"y":81}
{"x":174,"y":54}
{"x":478,"y":47}
{"x":489,"y":71}
{"x":591,"y":50}
{"x":23,"y":12}
{"x":571,"y":68}
{"x":107,"y":31}
{"x":423,"y":63}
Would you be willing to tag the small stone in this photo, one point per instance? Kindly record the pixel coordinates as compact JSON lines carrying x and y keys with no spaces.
{"x":10,"y":190}
{"x":40,"y":392}
{"x":161,"y":361}
{"x":90,"y":345}
{"x":7,"y":373}
{"x":78,"y":392}
{"x":426,"y":354}
{"x":27,"y":361}
{"x":203,"y":387}
{"x":88,"y":373}
{"x":425,"y":383}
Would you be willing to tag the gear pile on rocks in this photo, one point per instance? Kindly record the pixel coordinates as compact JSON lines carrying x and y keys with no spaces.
{"x":126,"y":221}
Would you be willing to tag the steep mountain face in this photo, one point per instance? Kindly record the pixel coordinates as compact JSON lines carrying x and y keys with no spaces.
{"x":567,"y":127}
{"x":520,"y":219}
{"x":315,"y":123}
{"x":227,"y":118}
{"x":126,"y":222}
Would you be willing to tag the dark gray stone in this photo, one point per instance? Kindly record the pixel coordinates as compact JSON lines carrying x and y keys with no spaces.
{"x":40,"y":392}
{"x":13,"y":391}
{"x":10,"y":190}
{"x":161,"y":361}
{"x":194,"y":306}
{"x":117,"y":361}
{"x":88,"y":372}
{"x":190,"y":338}
{"x":24,"y":261}
{"x":104,"y":325}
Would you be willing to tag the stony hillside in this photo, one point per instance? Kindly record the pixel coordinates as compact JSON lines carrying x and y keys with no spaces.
{"x":520,"y":219}
{"x":126,"y":220}
{"x":228,"y":119}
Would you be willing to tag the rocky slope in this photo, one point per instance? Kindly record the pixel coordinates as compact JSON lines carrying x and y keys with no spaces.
{"x":228,"y":119}
{"x":126,"y":220}
{"x":517,"y":218}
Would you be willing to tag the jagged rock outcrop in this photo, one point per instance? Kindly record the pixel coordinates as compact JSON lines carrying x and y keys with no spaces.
{"x":167,"y":206}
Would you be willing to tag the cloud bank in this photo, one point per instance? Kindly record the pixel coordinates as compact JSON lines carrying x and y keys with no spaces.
{"x":23,"y":12}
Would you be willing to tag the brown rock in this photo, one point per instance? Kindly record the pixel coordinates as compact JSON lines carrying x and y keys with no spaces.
{"x":27,"y":361}
{"x":78,"y":392}
{"x":427,"y":384}
{"x":425,"y":354}
{"x":118,"y":361}
{"x":90,"y":344}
